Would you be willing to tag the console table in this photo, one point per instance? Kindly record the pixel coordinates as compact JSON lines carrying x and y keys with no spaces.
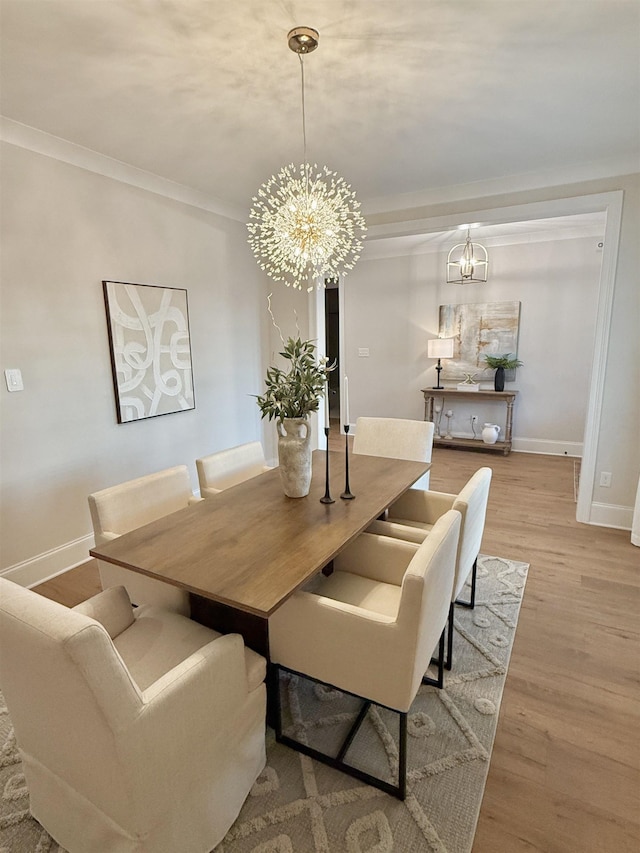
{"x":506,"y":397}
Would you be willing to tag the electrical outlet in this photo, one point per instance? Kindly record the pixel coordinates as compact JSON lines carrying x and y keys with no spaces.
{"x":605,"y":478}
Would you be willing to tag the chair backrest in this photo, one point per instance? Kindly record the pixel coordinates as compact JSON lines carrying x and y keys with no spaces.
{"x":471,"y":503}
{"x":229,"y":467}
{"x":68,"y":692}
{"x":425,"y":598}
{"x":397,"y":438}
{"x":127,"y":506}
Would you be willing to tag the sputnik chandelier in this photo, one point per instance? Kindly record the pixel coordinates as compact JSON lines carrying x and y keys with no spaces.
{"x":305,"y":224}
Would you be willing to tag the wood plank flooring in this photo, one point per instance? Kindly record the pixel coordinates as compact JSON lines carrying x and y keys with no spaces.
{"x":564,"y":775}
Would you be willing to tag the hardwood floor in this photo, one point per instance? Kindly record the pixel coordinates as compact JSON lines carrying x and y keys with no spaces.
{"x":564,"y":775}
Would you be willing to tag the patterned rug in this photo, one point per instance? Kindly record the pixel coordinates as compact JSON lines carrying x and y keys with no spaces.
{"x":300,"y":806}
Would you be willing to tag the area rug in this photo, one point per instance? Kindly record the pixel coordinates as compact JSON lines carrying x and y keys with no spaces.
{"x":300,"y":806}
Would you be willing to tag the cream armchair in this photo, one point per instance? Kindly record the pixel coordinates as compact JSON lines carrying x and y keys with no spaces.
{"x":396,"y":438}
{"x":370,"y":629}
{"x":414,"y":514}
{"x":139,"y":732}
{"x":229,"y":467}
{"x":127,"y":506}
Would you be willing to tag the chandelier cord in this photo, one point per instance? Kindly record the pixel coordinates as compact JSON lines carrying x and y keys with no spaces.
{"x":304,"y":128}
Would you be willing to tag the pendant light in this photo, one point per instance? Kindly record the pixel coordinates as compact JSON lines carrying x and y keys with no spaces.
{"x":467,"y":263}
{"x":305,"y":224}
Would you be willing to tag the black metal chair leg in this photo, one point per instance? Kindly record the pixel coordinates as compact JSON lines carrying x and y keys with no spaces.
{"x":338,"y":763}
{"x":353,"y":731}
{"x":439,"y":681}
{"x":402,"y":756}
{"x":474,"y":574}
{"x":449,"y":661}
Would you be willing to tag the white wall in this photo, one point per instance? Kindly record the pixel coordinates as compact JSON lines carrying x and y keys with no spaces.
{"x":556,"y":283}
{"x":616,"y":427}
{"x":64,"y":230}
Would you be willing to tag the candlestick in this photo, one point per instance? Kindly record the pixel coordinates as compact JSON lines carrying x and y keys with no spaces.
{"x":346,"y":495}
{"x":347,"y":419}
{"x":327,"y":499}
{"x":326,"y":405}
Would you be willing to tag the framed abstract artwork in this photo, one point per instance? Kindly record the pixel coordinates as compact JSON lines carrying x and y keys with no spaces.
{"x":478,"y":329}
{"x":150,"y":349}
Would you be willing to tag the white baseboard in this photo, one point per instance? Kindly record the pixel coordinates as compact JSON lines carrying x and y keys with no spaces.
{"x":549,"y":448}
{"x":45,"y":566}
{"x":536,"y":445}
{"x":611,"y":515}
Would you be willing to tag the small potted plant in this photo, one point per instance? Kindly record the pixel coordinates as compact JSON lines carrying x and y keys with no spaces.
{"x":290,"y":397}
{"x":501,"y":363}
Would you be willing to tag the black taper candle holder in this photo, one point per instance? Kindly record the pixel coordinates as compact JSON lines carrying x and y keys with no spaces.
{"x":346,"y":495}
{"x":327,"y":499}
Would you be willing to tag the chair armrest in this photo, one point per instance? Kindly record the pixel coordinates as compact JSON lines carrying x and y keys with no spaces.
{"x":108,"y":535}
{"x":380,"y":558}
{"x":111,"y":608}
{"x":397,"y":530}
{"x":201,"y":709}
{"x":421,"y":506}
{"x":209,"y":492}
{"x":209,"y":686}
{"x":344,"y":645}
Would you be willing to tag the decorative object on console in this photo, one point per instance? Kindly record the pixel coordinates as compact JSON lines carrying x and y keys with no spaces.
{"x":439,"y":348}
{"x":448,"y":415}
{"x":290,"y":398}
{"x":490,"y":433}
{"x":469,"y":384}
{"x":501,"y":363}
{"x":306,"y":223}
{"x":478,"y":329}
{"x":437,"y":408}
{"x":467,"y":263}
{"x":150,"y":349}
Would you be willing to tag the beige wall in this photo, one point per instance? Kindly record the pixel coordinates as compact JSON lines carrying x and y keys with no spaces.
{"x":64,"y":229}
{"x":549,"y":278}
{"x":618,"y":444}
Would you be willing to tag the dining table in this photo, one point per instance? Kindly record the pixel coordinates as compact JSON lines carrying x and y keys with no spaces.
{"x":242,"y":552}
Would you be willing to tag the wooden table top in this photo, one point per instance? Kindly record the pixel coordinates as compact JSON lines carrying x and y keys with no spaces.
{"x":250,"y":546}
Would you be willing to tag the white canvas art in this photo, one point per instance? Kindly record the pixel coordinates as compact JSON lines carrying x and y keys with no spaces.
{"x":150,"y":349}
{"x":478,"y":329}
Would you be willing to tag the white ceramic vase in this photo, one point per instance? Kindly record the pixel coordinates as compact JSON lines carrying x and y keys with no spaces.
{"x":294,"y":456}
{"x":490,"y":433}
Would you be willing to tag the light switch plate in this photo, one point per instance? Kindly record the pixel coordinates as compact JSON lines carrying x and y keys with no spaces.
{"x":363,"y":352}
{"x":13,"y":378}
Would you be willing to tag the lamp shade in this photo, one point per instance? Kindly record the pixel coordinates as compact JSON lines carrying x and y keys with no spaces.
{"x":440,"y":348}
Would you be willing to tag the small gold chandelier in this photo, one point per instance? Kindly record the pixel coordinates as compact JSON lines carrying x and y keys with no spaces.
{"x":467,"y":263}
{"x":305,"y":223}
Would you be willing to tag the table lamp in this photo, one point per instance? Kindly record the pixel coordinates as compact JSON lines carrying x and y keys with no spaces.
{"x":440,"y":348}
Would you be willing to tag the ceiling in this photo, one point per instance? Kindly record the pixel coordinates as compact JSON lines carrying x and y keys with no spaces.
{"x":402,"y":96}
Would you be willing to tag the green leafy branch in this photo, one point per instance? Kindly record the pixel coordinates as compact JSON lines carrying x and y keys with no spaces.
{"x":295,"y":392}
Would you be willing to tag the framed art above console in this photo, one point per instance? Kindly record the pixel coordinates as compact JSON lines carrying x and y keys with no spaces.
{"x":478,"y":329}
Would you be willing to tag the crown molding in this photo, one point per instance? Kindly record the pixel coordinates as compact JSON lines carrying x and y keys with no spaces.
{"x":32,"y":139}
{"x":609,"y":168}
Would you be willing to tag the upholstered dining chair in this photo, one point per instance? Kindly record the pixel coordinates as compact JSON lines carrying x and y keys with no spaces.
{"x":413,"y":515}
{"x":127,"y":506}
{"x":139,"y":731}
{"x":229,"y":467}
{"x":397,"y":438}
{"x":369,"y":629}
